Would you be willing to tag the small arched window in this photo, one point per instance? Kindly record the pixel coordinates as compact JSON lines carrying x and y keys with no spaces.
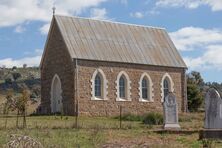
{"x":167,"y":86}
{"x":122,"y":87}
{"x":98,"y":86}
{"x":166,"y":89}
{"x":145,"y":89}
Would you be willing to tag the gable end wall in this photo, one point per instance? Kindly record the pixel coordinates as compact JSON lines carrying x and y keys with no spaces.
{"x":57,"y":61}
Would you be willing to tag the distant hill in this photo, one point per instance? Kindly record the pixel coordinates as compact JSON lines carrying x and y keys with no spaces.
{"x":16,"y":78}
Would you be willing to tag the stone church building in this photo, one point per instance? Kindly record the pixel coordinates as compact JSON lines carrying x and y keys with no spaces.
{"x":91,"y":67}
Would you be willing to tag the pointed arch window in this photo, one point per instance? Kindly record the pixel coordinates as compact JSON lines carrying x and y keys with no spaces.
{"x":123,"y":87}
{"x":145,"y":88}
{"x":166,"y":89}
{"x":167,"y":86}
{"x":99,"y":85}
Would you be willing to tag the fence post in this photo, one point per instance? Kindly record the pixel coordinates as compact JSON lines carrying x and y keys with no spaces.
{"x":76,"y":119}
{"x":120,"y":116}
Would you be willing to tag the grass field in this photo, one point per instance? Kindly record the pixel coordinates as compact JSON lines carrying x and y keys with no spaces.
{"x":54,"y":131}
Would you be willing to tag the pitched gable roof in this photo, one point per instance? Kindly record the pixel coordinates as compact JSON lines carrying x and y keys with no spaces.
{"x":117,"y":42}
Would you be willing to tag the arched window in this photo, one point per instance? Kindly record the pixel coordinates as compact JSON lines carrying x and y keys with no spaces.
{"x":167,"y":86}
{"x":166,"y":89}
{"x":145,"y":88}
{"x":123,"y":87}
{"x":99,"y":85}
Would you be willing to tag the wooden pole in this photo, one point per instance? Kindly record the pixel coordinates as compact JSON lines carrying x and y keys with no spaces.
{"x":76,"y":122}
{"x":120,"y":116}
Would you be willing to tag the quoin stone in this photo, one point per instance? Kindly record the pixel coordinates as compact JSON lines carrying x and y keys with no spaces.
{"x":170,"y":112}
{"x":213,"y":110}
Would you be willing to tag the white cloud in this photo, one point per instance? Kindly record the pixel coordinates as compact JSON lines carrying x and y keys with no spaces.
{"x":97,"y":13}
{"x":19,"y":29}
{"x":38,"y":51}
{"x":216,"y":5}
{"x":45,"y":28}
{"x":193,"y":38}
{"x":206,"y":42}
{"x":15,"y":12}
{"x":137,"y":15}
{"x":211,"y":59}
{"x":30,"y":61}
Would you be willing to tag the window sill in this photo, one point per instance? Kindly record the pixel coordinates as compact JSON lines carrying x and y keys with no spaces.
{"x":98,"y":99}
{"x":123,"y":100}
{"x":144,"y":100}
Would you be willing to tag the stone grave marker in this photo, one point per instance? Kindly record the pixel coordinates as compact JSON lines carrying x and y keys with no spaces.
{"x":170,"y":112}
{"x":213,"y":110}
{"x":213,"y":116}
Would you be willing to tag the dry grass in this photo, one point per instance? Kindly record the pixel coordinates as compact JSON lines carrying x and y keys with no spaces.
{"x":57,"y":131}
{"x":54,"y":131}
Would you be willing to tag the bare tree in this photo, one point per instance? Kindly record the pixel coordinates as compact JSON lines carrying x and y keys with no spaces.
{"x":8,"y":105}
{"x":25,"y":98}
{"x":20,"y":104}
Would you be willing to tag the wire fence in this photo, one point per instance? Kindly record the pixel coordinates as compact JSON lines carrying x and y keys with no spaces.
{"x":122,"y":120}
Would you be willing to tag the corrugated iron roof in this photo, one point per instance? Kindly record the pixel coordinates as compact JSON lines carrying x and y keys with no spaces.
{"x":118,"y":42}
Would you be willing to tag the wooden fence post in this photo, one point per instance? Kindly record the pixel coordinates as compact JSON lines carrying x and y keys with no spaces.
{"x":77,"y":113}
{"x":120,"y":116}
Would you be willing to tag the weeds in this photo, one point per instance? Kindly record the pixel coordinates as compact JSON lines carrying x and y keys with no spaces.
{"x":207,"y":143}
{"x":153,"y":119}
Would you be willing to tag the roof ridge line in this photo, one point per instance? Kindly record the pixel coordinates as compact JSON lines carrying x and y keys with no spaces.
{"x":114,"y":22}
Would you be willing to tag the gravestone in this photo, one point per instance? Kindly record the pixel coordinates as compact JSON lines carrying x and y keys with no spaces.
{"x":213,"y":116}
{"x":170,"y":112}
{"x":213,"y":110}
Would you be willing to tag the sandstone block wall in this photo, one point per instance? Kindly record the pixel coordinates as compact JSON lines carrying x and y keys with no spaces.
{"x":109,"y":107}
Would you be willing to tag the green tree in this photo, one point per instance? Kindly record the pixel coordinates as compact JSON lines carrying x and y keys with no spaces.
{"x":16,"y":75}
{"x":195,"y":85}
{"x":195,"y":98}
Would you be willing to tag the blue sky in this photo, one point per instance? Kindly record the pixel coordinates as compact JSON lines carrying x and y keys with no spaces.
{"x":195,"y":27}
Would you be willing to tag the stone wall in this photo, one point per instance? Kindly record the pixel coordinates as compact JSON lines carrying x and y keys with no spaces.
{"x":109,"y":107}
{"x":57,"y":61}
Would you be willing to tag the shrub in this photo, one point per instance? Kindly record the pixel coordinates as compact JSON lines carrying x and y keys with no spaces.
{"x":131,"y":117}
{"x":153,"y":119}
{"x":8,"y":81}
{"x":208,"y":143}
{"x":16,"y":75}
{"x":14,"y":68}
